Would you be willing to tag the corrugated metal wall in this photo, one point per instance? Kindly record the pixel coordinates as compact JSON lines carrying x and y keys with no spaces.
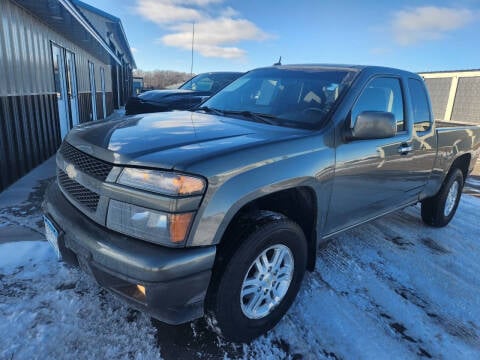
{"x":455,"y":95}
{"x":29,"y":134}
{"x":25,"y":58}
{"x":29,"y":118}
{"x":467,"y":100}
{"x":24,"y":54}
{"x":439,"y":90}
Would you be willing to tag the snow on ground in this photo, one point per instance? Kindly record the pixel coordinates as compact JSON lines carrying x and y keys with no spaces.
{"x":392,"y":288}
{"x":51,"y":312}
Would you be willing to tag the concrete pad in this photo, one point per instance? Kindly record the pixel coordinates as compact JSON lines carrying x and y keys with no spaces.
{"x":20,"y":190}
{"x":20,"y":205}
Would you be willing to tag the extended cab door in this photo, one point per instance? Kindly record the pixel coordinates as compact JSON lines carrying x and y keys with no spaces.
{"x":424,"y":141}
{"x":373,"y":176}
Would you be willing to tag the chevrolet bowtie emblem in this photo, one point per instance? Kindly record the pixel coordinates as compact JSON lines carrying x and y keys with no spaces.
{"x":71,"y":171}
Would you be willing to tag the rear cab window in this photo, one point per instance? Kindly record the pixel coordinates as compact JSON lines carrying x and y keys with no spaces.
{"x":422,"y":120}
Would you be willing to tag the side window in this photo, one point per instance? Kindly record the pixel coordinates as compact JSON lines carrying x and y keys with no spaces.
{"x":421,"y":111}
{"x":382,"y":94}
{"x":203,"y":84}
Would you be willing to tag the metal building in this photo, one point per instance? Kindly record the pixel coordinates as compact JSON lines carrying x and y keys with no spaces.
{"x":455,"y":95}
{"x":62,"y":63}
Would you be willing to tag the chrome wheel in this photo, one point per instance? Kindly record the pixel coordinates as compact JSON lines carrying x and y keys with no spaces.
{"x":451,"y":199}
{"x":266,"y":281}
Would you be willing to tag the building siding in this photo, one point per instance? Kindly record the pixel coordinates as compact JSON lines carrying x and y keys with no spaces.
{"x":29,"y":115}
{"x":466,"y":107}
{"x":85,"y":107}
{"x":455,"y":95}
{"x":25,"y":55}
{"x":439,"y":90}
{"x":30,"y":136}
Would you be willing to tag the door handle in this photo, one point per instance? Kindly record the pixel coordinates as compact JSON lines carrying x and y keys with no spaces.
{"x":404,"y":149}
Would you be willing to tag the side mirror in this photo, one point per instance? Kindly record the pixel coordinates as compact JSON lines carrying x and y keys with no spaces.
{"x":373,"y":125}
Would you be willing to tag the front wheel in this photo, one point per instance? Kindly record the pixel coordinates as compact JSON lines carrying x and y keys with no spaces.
{"x":259,"y":281}
{"x":439,"y":210}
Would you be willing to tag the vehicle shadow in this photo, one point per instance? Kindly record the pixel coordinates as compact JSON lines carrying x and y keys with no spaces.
{"x":193,"y":341}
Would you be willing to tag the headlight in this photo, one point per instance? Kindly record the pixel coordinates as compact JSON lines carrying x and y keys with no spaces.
{"x":162,"y":182}
{"x":150,"y":225}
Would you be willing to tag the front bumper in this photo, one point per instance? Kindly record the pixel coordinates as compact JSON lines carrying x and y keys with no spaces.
{"x":176,"y":280}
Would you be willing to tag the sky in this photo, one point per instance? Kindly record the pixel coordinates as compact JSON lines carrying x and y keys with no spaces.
{"x":242,"y":35}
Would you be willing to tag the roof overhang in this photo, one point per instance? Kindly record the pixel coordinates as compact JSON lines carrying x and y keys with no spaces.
{"x":114,"y":24}
{"x":63,"y":17}
{"x":447,"y":74}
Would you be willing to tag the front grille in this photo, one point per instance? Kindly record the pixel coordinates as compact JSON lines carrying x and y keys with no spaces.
{"x":85,"y":163}
{"x":79,"y":193}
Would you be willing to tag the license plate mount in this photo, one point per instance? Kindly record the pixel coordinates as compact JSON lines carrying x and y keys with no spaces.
{"x":52,"y":235}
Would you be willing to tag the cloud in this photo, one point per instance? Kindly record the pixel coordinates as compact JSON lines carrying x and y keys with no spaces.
{"x":134,"y":50}
{"x":380,"y":51}
{"x":212,"y":34}
{"x":196,"y":2}
{"x":229,"y":12}
{"x":166,"y":12}
{"x":217,"y":28}
{"x":427,"y":23}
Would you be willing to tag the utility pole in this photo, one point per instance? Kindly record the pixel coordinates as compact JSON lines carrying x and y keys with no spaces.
{"x":193,"y":37}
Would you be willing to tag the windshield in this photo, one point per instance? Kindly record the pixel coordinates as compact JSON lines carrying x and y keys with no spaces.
{"x":292,"y":97}
{"x":209,"y":82}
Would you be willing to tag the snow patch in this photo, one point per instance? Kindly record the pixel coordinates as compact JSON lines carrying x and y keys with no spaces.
{"x":54,"y":312}
{"x":393,"y":288}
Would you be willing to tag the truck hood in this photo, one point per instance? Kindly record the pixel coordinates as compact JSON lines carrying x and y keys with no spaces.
{"x":170,"y":95}
{"x":172,"y":140}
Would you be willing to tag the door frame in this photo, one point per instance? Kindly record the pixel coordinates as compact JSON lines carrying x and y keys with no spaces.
{"x":102,"y":88}
{"x":93,"y":89}
{"x":61,"y":91}
{"x":71,"y":67}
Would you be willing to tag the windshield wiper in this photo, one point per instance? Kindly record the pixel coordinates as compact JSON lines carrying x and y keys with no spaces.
{"x":209,"y":110}
{"x":265,"y":118}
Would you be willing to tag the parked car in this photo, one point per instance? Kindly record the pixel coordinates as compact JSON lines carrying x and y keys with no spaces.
{"x":188,"y":95}
{"x":218,"y":212}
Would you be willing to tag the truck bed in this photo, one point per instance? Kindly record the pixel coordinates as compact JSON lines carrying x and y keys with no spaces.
{"x":447,"y":124}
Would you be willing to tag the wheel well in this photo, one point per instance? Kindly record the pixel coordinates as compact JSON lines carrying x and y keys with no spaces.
{"x":462,"y":163}
{"x":298,"y":204}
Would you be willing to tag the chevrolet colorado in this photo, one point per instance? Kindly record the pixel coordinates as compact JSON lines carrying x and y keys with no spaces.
{"x":219,"y":211}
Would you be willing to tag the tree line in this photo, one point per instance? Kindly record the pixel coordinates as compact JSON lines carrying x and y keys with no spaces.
{"x":160,"y":79}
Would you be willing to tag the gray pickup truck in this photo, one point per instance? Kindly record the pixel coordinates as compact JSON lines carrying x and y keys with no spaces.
{"x":218,"y":212}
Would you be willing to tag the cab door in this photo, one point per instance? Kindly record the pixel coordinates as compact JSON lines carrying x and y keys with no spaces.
{"x":371,"y":176}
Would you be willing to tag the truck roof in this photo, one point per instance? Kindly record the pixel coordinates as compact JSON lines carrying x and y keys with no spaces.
{"x":348,"y":67}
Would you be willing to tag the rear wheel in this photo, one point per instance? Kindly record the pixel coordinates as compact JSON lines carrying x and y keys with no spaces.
{"x":258,"y":281}
{"x":439,"y":210}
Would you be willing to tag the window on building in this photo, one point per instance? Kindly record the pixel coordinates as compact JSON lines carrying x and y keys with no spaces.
{"x":56,"y":60}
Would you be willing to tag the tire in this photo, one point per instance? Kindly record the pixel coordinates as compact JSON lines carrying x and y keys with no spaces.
{"x":231,"y":315}
{"x":438,"y":210}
